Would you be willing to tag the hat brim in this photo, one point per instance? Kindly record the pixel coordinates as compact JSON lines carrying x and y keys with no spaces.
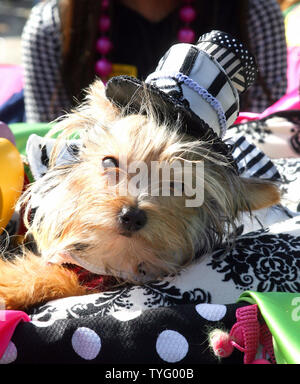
{"x":132,"y":94}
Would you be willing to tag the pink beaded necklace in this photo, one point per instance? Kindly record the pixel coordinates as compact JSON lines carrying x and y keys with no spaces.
{"x":104,"y":46}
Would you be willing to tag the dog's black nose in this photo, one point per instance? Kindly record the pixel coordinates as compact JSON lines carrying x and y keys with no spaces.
{"x":132,"y":219}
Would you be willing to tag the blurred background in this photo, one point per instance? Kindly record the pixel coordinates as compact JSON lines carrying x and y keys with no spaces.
{"x":13,"y":15}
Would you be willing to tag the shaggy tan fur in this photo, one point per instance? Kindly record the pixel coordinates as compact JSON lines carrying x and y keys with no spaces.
{"x":28,"y":281}
{"x":78,"y":208}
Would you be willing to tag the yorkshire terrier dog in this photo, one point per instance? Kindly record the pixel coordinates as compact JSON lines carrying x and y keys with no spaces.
{"x":81,"y":217}
{"x":88,"y":215}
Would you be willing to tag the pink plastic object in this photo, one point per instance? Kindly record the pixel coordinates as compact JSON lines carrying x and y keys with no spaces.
{"x":9,"y":319}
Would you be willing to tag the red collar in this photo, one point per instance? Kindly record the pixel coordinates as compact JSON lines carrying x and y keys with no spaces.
{"x":91,"y":280}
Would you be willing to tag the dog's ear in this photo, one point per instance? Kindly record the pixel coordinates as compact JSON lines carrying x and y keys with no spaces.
{"x":99,"y":104}
{"x":259,"y":194}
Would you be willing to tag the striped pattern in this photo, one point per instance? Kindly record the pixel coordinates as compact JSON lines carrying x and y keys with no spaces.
{"x":207,"y":97}
{"x":236,"y":60}
{"x":228,"y":60}
{"x":187,"y":59}
{"x":231,"y":65}
{"x":251,"y":161}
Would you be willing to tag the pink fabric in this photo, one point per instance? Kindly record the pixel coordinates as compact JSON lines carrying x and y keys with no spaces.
{"x":266,"y":340}
{"x":287,"y":102}
{"x":248,"y":333}
{"x":290,"y":100}
{"x":245,"y":332}
{"x":293,"y":72}
{"x":11,"y":80}
{"x":9,"y":319}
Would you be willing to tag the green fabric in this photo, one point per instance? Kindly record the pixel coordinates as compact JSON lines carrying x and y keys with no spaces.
{"x":22,"y":131}
{"x":281,"y":312}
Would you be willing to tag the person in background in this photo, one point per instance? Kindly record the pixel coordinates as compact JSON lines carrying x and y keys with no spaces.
{"x":66,"y":44}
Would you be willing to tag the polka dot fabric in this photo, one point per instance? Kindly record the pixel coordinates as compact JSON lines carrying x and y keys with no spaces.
{"x":171,"y":346}
{"x":10,"y":354}
{"x":211,"y":312}
{"x":176,"y":335}
{"x":247,"y":66}
{"x":86,"y":343}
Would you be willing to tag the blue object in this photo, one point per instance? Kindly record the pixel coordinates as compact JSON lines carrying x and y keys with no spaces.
{"x":13,"y":110}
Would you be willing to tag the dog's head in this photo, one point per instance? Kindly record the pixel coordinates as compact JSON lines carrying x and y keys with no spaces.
{"x":138,"y":195}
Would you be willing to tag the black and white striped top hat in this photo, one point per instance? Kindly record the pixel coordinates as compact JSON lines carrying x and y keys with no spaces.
{"x":199,"y":84}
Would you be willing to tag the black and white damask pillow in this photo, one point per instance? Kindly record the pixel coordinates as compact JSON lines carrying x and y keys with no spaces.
{"x":264,"y":260}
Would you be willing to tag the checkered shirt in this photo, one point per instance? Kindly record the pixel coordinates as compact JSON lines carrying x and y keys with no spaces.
{"x":45,"y":94}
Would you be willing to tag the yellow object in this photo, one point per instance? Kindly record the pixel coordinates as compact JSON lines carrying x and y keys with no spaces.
{"x":1,"y":203}
{"x":11,"y":180}
{"x":292,"y":27}
{"x":123,"y":69}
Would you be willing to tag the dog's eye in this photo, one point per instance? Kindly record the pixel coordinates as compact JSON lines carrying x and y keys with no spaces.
{"x":110,"y":162}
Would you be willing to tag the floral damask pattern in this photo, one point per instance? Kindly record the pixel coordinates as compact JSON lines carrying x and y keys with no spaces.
{"x":263,"y":262}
